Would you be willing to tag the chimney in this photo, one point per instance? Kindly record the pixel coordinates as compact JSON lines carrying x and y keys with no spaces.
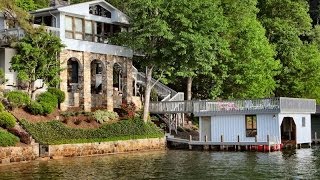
{"x":54,"y":3}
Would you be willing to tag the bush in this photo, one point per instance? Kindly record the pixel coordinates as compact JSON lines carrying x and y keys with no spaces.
{"x":2,"y":108}
{"x":18,"y":98}
{"x":55,"y":132}
{"x":48,"y":102}
{"x":7,"y":139}
{"x":47,"y":108}
{"x":58,"y":93}
{"x":35,"y":108}
{"x":104,"y":116}
{"x":24,"y":137}
{"x":7,"y":120}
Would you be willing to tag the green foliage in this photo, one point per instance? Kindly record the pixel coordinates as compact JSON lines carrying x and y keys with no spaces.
{"x":18,"y":98}
{"x":36,"y":58}
{"x":35,"y":108}
{"x":27,"y":5}
{"x":7,"y":139}
{"x":2,"y":108}
{"x":2,"y":77}
{"x":58,"y":93}
{"x":7,"y":120}
{"x":104,"y":116}
{"x":48,"y":102}
{"x":55,"y":132}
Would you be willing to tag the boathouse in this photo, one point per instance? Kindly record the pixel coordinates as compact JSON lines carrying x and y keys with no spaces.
{"x":270,"y":122}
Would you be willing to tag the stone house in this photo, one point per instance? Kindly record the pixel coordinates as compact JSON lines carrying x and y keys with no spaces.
{"x":96,"y":73}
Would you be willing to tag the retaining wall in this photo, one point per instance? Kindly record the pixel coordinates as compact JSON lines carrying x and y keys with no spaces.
{"x":87,"y":149}
{"x":17,"y":154}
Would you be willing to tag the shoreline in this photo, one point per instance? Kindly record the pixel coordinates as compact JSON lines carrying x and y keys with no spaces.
{"x":34,"y":152}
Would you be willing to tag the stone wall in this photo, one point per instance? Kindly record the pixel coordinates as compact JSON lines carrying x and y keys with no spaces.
{"x":86,"y":149}
{"x":17,"y":154}
{"x":85,"y":81}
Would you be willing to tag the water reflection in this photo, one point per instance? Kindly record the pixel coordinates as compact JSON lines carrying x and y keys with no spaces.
{"x":175,"y":164}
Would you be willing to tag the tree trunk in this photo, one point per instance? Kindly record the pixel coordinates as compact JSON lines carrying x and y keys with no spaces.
{"x":189,"y":88}
{"x":147,"y":93}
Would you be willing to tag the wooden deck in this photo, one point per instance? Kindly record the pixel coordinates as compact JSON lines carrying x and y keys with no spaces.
{"x":203,"y":143}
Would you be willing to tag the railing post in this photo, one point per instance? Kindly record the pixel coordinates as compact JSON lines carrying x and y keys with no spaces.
{"x":315,"y":138}
{"x":255,"y":138}
{"x":205,"y":138}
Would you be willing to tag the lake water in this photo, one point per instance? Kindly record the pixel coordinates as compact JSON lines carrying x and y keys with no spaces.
{"x":175,"y":164}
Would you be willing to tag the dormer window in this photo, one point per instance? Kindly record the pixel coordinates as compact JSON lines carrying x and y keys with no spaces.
{"x":99,"y":11}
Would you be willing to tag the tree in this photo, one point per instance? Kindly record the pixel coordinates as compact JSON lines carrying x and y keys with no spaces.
{"x":27,"y":5}
{"x":198,"y":27}
{"x":16,"y":15}
{"x":251,"y":68}
{"x":288,"y":25}
{"x":36,"y":58}
{"x":149,"y":31}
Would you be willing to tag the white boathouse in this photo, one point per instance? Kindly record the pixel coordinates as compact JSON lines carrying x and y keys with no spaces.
{"x":268,"y":122}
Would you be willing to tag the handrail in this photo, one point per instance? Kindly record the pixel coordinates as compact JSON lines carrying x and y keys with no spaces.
{"x":161,"y":89}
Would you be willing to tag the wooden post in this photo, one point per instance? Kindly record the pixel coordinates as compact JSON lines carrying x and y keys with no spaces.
{"x":190,"y":139}
{"x":255,"y":138}
{"x":315,"y":138}
{"x":205,"y":138}
{"x":268,"y":140}
{"x":221,"y":146}
{"x":238,"y":142}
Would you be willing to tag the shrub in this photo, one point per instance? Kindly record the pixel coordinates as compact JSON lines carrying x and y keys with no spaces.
{"x":18,"y":98}
{"x":2,"y":108}
{"x":35,"y":108}
{"x":128,"y":110}
{"x":7,"y":120}
{"x":77,"y":121}
{"x":48,"y":102}
{"x":47,"y":108}
{"x":23,"y":136}
{"x":104,"y":116}
{"x":7,"y":139}
{"x":58,"y":93}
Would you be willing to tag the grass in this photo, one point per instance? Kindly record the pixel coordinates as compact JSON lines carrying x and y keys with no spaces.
{"x":55,"y":132}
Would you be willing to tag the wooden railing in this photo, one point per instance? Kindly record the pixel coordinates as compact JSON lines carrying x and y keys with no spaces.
{"x":235,"y":106}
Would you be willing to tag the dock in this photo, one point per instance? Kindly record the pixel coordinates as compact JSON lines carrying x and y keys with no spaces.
{"x":267,"y":146}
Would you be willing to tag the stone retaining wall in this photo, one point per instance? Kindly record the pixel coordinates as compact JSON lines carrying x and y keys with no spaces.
{"x":86,"y":149}
{"x":17,"y":154}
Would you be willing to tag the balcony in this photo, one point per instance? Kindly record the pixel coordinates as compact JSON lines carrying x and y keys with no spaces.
{"x":14,"y":34}
{"x":253,"y":106}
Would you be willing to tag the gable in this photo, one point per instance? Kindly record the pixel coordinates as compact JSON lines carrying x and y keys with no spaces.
{"x":96,"y":10}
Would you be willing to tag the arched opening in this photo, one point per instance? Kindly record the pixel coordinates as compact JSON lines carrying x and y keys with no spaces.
{"x":73,"y":74}
{"x":96,"y":77}
{"x":288,"y":130}
{"x":117,"y":77}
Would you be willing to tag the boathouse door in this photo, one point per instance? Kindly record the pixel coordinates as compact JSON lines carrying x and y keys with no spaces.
{"x":288,"y":130}
{"x":205,"y":128}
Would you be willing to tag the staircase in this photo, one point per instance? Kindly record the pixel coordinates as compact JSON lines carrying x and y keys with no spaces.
{"x":172,"y":120}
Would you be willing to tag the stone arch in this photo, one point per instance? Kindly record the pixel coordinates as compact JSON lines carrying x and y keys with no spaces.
{"x":98,"y":76}
{"x":118,"y":76}
{"x":74,"y":81}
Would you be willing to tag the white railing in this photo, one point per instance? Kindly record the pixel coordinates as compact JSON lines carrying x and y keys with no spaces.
{"x":7,"y":35}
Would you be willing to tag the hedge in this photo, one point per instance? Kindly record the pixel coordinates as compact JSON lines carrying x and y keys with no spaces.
{"x":55,"y":132}
{"x":7,"y":139}
{"x":7,"y":120}
{"x":58,"y":93}
{"x":18,"y":98}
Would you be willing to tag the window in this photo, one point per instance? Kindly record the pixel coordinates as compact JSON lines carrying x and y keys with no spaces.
{"x":88,"y":31}
{"x":73,"y":70}
{"x":251,"y":125}
{"x":78,"y":24}
{"x":99,"y":11}
{"x":68,"y":27}
{"x":303,"y":121}
{"x":44,"y":20}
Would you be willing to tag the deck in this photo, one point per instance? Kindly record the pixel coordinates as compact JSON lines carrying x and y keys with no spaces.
{"x":208,"y":108}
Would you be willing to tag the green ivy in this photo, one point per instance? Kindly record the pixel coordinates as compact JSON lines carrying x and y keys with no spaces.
{"x":7,"y":139}
{"x":55,"y":132}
